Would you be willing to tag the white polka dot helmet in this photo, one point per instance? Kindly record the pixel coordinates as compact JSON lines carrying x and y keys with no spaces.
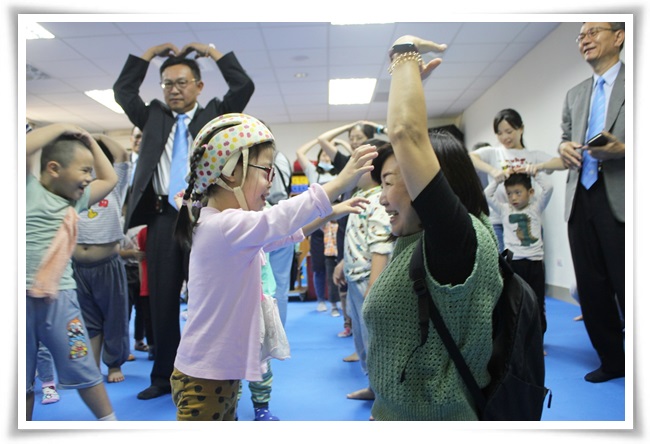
{"x":224,"y":139}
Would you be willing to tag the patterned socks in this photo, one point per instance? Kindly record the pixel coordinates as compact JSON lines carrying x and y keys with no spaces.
{"x":50,"y":395}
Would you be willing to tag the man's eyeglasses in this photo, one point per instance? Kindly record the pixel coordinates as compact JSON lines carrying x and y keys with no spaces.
{"x":592,"y":33}
{"x":270,"y":171}
{"x":167,"y":85}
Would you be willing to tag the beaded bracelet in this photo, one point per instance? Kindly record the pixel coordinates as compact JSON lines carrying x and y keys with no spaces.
{"x":406,"y":56}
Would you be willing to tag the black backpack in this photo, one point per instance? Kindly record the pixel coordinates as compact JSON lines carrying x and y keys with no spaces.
{"x":516,"y":391}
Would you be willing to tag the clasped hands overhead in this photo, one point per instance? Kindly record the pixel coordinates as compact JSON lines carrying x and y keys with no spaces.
{"x":169,"y":49}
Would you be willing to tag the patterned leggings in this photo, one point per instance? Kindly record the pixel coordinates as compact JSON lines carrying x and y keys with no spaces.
{"x":199,"y":399}
{"x":261,"y":390}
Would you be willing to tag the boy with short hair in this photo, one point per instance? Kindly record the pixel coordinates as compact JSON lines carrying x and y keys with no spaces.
{"x":522,"y":229}
{"x":367,"y":248}
{"x":68,"y":156}
{"x":98,"y":270}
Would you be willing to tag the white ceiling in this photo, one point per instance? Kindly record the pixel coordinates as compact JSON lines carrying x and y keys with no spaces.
{"x":86,"y":56}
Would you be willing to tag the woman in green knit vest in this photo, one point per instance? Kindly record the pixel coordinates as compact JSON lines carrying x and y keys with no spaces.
{"x":433,"y":196}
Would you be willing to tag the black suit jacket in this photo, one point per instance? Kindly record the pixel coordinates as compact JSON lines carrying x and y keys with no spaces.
{"x":156,"y":121}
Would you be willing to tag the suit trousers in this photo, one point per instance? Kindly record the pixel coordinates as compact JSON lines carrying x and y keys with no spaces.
{"x":167,"y":269}
{"x":597,"y":242}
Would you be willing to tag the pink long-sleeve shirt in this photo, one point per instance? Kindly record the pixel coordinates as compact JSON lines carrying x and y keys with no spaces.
{"x":221,"y":338}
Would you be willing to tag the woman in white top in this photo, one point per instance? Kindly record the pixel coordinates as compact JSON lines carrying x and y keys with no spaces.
{"x":499,"y":162}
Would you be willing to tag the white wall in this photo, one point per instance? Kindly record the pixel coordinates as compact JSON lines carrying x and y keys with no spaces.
{"x":536,"y":88}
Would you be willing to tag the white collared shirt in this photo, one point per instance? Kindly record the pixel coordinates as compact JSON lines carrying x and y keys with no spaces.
{"x":162,"y":176}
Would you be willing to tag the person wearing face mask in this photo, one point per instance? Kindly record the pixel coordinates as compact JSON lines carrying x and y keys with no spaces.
{"x":511,"y":154}
{"x":325,"y":165}
{"x":322,"y":264}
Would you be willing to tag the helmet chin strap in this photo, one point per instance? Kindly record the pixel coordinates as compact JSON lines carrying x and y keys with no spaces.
{"x":239,"y":193}
{"x":241,"y":199}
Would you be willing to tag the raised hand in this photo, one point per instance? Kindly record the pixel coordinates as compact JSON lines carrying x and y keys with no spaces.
{"x":201,"y":49}
{"x":529,"y":168}
{"x":162,"y":50}
{"x":424,"y":46}
{"x":354,"y":205}
{"x":500,"y":175}
{"x":360,"y":163}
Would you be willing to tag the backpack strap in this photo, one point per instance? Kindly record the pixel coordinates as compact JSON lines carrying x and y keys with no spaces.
{"x":427,"y":309}
{"x":287,"y":186}
{"x":504,"y":263}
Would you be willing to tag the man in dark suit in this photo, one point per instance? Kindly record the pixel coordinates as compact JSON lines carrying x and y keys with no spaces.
{"x":595,"y":210}
{"x":148,"y":202}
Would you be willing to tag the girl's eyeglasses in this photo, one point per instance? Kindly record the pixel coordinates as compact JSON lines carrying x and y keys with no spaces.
{"x":270,"y":171}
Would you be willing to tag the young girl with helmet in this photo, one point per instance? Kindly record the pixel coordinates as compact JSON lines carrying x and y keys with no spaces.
{"x":230,"y":178}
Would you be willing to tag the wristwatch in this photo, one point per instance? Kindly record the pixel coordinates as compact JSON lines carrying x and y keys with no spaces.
{"x":401,"y":48}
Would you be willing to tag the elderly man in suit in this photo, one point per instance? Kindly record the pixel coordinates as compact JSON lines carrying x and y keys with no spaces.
{"x":595,"y":193}
{"x":151,"y":201}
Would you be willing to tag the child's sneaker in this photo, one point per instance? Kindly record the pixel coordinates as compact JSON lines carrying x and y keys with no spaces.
{"x":321,"y":307}
{"x":335,"y":312}
{"x":50,"y":395}
{"x":347,"y":332}
{"x":264,"y":414}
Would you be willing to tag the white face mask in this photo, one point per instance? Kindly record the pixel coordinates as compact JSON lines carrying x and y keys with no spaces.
{"x":325,"y":166}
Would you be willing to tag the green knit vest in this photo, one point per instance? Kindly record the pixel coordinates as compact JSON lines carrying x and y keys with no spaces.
{"x":432,"y":389}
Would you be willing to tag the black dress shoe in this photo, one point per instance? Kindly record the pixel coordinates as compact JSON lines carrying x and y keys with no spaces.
{"x":154,"y":391}
{"x":600,"y":375}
